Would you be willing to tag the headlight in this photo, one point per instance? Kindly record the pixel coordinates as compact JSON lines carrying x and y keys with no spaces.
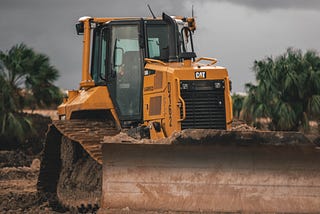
{"x":184,"y":86}
{"x":217,"y":84}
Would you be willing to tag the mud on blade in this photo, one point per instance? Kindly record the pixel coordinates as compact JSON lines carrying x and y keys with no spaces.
{"x":190,"y":173}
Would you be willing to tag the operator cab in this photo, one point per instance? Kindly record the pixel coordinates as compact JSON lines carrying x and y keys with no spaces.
{"x":118,"y":52}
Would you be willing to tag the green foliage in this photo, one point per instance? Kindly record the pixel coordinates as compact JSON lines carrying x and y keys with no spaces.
{"x":13,"y":126}
{"x":40,"y":81}
{"x":22,"y":68}
{"x":288,"y":90}
{"x":237,"y":102}
{"x":24,"y":76}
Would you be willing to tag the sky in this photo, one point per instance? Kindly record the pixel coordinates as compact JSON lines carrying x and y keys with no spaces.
{"x":236,"y":32}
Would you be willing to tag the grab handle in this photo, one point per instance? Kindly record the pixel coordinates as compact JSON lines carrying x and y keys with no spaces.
{"x":182,"y":101}
{"x":213,"y":60}
{"x":148,"y":60}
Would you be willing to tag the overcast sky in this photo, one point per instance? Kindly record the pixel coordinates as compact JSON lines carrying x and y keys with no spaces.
{"x":236,"y":32}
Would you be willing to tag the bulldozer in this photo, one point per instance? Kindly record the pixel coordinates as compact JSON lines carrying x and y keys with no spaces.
{"x":150,"y":129}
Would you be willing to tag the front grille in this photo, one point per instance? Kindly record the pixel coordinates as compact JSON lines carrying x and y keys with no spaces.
{"x":205,"y":104}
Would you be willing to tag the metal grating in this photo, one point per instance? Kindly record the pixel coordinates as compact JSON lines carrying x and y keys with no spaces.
{"x":205,"y":104}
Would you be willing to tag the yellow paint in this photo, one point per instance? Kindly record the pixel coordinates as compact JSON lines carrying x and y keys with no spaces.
{"x":164,"y":91}
{"x":95,"y":98}
{"x":173,"y":103}
{"x":86,"y":81}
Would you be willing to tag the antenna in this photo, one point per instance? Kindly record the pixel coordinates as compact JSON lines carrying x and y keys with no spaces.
{"x":192,"y":13}
{"x":151,"y":11}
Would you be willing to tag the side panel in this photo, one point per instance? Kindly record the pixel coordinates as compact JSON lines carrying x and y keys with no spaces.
{"x":220,"y":178}
{"x":156,"y":102}
{"x":96,"y":98}
{"x":154,"y":96}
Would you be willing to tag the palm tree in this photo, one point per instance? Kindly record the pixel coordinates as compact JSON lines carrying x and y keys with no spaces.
{"x":23,"y":70}
{"x":15,"y":65}
{"x":40,"y":82}
{"x":288,"y":90}
{"x":13,"y":126}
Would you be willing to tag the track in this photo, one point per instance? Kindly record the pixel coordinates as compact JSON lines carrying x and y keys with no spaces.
{"x":88,"y":133}
{"x":70,"y":173}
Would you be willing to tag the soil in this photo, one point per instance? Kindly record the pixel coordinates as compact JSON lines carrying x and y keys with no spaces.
{"x":18,"y":180}
{"x":18,"y":192}
{"x":19,"y":169}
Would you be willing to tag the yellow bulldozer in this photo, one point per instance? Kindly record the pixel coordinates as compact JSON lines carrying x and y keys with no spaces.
{"x":150,"y":129}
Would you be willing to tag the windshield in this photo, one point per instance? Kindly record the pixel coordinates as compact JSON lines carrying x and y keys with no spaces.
{"x":157,"y":37}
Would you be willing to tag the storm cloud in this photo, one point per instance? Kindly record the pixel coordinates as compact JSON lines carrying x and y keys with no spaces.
{"x":235,"y":31}
{"x":277,"y":4}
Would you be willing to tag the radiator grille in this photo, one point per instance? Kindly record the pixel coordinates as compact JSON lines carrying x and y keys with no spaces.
{"x":205,"y":104}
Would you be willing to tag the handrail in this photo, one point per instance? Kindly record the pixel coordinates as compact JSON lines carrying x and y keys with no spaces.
{"x":213,"y":60}
{"x":154,"y":61}
{"x":184,"y":115}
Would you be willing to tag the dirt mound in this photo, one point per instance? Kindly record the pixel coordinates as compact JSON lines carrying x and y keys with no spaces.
{"x":241,"y":133}
{"x":240,"y":125}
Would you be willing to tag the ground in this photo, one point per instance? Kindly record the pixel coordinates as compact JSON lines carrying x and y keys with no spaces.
{"x":18,"y":193}
{"x":19,"y":170}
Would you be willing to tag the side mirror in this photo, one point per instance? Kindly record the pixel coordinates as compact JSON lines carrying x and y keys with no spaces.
{"x":80,"y":28}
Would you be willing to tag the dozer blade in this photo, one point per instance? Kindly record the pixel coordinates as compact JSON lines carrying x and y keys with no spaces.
{"x":213,"y":171}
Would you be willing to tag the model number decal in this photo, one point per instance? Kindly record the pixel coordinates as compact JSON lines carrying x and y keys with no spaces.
{"x":200,"y":75}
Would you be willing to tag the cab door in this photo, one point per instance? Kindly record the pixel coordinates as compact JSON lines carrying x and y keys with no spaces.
{"x":126,"y":72}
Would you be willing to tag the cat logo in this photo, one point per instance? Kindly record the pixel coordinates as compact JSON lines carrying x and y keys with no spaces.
{"x":200,"y":75}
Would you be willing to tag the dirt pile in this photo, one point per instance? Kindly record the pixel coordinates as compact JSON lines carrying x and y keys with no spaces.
{"x":240,"y":125}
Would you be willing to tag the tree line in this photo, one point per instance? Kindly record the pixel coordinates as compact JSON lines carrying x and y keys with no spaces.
{"x":287,"y":91}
